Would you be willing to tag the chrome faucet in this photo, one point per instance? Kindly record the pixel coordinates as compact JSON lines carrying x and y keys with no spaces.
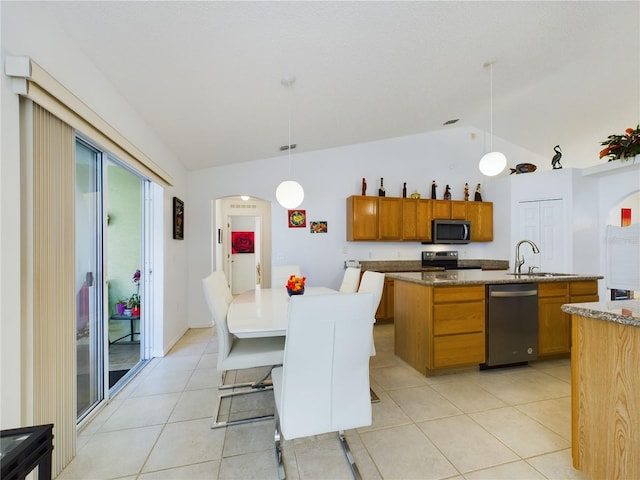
{"x":519,"y":262}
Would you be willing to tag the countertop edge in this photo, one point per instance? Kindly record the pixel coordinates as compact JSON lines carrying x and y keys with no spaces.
{"x":489,"y":280}
{"x":595,"y":310}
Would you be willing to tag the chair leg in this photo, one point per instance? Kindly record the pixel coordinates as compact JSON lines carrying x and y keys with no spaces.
{"x":262,"y":382}
{"x":347,"y":453}
{"x":374,"y":397}
{"x":278,"y":451}
{"x":216,"y":424}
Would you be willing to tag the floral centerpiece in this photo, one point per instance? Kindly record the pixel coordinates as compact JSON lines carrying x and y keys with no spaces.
{"x":295,"y":285}
{"x":622,"y":147}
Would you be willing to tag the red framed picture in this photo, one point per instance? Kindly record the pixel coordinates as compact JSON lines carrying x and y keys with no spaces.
{"x":242,"y":242}
{"x":297,"y":218}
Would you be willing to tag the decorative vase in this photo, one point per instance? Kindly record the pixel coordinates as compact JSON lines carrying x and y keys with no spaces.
{"x":295,"y":292}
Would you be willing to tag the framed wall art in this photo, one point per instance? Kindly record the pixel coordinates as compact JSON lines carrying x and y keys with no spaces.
{"x":318,"y":227}
{"x":178,"y":219}
{"x":242,"y":242}
{"x":297,"y":218}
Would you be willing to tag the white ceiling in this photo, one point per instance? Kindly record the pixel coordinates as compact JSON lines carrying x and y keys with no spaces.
{"x":206,"y":76}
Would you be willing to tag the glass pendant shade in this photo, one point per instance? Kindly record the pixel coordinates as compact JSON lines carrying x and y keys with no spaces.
{"x":290,"y":194}
{"x":492,"y":163}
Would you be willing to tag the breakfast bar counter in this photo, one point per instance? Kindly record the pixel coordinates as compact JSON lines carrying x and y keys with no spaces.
{"x":605,"y":388}
{"x":484,"y":277}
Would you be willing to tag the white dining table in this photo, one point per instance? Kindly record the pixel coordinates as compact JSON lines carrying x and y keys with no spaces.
{"x":263,"y":312}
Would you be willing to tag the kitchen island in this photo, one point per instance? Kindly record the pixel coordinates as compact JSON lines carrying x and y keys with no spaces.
{"x":605,"y":388}
{"x":439,"y":317}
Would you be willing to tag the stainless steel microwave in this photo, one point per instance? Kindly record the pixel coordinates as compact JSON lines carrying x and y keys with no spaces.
{"x":451,"y":231}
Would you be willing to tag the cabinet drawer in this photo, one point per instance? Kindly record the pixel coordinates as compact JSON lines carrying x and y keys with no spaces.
{"x":458,"y":294}
{"x":453,"y":350}
{"x":458,"y":318}
{"x":553,"y":289}
{"x":587,"y":287}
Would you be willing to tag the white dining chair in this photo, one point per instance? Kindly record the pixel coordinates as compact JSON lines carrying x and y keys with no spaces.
{"x":238,"y":353}
{"x":350,"y":280}
{"x":323,"y":384}
{"x":372,"y":282}
{"x":281,"y":274}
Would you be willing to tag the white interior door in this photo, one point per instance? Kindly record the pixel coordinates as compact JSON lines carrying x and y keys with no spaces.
{"x":543,"y":223}
{"x":245,"y":234}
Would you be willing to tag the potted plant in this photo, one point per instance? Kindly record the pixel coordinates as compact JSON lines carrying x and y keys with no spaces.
{"x":622,"y":147}
{"x":134,"y":304}
{"x":121,"y":304}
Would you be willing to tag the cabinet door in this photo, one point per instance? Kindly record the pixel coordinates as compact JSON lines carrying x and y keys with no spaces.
{"x":458,"y":210}
{"x":480,"y":214}
{"x":362,"y":218}
{"x":409,"y":219}
{"x":441,"y":209}
{"x":425,"y":215}
{"x":387,"y":301}
{"x":389,"y":218}
{"x":554,"y":326}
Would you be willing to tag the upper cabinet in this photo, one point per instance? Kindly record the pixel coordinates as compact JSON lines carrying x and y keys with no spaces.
{"x":408,"y":219}
{"x":449,"y":209}
{"x":362,"y":218}
{"x":480,"y":214}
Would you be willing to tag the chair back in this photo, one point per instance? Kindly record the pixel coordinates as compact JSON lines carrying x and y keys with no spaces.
{"x":281,"y":274}
{"x":323,"y":385}
{"x":215,"y":292}
{"x":350,"y":280}
{"x":373,"y":283}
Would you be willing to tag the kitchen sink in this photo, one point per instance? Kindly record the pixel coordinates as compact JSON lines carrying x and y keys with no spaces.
{"x":544,"y":274}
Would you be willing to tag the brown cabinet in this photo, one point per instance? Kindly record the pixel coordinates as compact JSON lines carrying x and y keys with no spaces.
{"x":387,"y":302}
{"x":458,"y":326}
{"x":554,"y":331}
{"x":362,"y":218}
{"x":480,"y":214}
{"x":416,"y":219}
{"x":408,"y":219}
{"x":554,"y":326}
{"x":439,"y":327}
{"x":389,"y":218}
{"x":449,"y":209}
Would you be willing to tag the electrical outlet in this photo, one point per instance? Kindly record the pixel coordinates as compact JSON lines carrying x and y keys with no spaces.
{"x":344,"y":250}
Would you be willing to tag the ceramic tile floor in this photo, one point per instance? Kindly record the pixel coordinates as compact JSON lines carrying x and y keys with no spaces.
{"x":511,"y":423}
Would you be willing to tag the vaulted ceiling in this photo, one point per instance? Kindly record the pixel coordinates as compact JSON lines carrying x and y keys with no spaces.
{"x":206,"y":76}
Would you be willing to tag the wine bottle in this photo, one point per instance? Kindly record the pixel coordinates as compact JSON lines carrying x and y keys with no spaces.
{"x":381,"y":192}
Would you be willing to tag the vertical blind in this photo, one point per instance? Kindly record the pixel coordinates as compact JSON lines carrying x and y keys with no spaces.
{"x":51,"y":270}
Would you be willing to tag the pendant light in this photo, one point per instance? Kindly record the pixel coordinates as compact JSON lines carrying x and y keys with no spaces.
{"x":492,"y":163}
{"x":289,"y":193}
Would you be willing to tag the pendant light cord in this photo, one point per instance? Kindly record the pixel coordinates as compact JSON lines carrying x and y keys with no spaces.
{"x":491,"y":106}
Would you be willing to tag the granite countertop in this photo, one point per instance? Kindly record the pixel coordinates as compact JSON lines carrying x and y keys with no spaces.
{"x":416,"y":265}
{"x":482,"y":277}
{"x":626,"y":312}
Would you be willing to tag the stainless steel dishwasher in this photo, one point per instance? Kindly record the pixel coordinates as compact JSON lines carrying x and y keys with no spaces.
{"x":511,"y":324}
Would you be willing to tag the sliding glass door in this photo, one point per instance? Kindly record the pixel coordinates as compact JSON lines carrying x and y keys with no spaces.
{"x":110,"y":278}
{"x":89,"y":324}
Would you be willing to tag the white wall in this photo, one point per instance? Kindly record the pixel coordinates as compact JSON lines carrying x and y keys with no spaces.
{"x":329,"y":177}
{"x":28,"y":30}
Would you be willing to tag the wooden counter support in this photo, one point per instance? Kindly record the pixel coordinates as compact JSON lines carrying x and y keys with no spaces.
{"x":605,"y":397}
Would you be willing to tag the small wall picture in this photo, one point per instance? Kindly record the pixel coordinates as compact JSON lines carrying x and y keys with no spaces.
{"x":297,"y":218}
{"x":178,"y":219}
{"x":318,"y":227}
{"x":242,"y":242}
